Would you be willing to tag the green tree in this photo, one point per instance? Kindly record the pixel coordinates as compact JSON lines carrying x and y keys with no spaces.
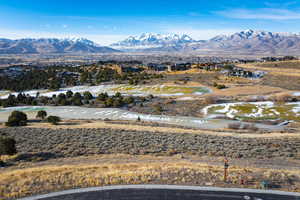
{"x":87,"y":95}
{"x":17,"y":118}
{"x":7,"y":146}
{"x":84,"y":76}
{"x":41,"y":114}
{"x":77,"y":102}
{"x":53,"y":120}
{"x":54,"y":84}
{"x":69,"y":94}
{"x":118,"y":94}
{"x":129,"y":100}
{"x":102,"y":96}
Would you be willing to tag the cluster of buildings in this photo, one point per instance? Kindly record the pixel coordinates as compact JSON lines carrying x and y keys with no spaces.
{"x":13,"y":72}
{"x":232,"y":70}
{"x":168,"y":67}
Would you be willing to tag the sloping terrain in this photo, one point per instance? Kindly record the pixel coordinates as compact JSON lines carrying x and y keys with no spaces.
{"x":51,"y":45}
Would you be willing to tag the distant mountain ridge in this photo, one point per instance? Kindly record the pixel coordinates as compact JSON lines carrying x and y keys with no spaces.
{"x":248,"y":42}
{"x":251,"y":42}
{"x":51,"y":45}
{"x":244,"y":42}
{"x":151,"y":40}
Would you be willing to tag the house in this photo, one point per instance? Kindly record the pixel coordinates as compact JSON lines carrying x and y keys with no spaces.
{"x":180,"y":67}
{"x":122,"y":68}
{"x":157,"y":67}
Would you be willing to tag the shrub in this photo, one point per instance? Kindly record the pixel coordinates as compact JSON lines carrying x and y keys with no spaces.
{"x":251,"y":127}
{"x":211,"y":99}
{"x":69,"y":94}
{"x":284,"y":98}
{"x":158,"y":108}
{"x":53,"y":120}
{"x":220,"y":87}
{"x":41,"y":114}
{"x":129,"y":100}
{"x":76,"y":101}
{"x":87,"y":95}
{"x":235,"y":125}
{"x":7,"y":146}
{"x":102,"y":96}
{"x":117,"y":103}
{"x":17,"y":118}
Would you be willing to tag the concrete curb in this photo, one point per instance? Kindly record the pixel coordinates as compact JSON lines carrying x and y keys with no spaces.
{"x":168,"y":187}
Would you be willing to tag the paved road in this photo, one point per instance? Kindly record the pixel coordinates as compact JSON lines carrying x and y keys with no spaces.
{"x":166,"y":192}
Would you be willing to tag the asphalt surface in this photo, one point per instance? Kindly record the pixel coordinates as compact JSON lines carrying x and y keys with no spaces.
{"x":166,"y":192}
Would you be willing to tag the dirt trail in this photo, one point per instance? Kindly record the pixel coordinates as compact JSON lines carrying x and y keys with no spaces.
{"x":73,"y":124}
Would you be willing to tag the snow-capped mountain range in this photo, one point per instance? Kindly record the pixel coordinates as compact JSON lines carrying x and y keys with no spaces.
{"x":244,"y":42}
{"x":151,"y":40}
{"x":249,"y":42}
{"x":51,"y":45}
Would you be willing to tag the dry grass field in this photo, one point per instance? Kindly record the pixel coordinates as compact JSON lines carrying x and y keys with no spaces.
{"x":36,"y":178}
{"x":283,"y":74}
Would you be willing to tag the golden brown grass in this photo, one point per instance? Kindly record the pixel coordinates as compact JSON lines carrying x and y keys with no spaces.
{"x":16,"y":183}
{"x":280,"y":69}
{"x":249,"y":90}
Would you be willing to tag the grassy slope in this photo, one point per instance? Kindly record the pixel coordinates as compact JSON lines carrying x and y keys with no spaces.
{"x":55,"y":177}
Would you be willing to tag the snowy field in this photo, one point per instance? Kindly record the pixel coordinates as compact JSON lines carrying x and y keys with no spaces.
{"x":255,"y":110}
{"x":140,"y":90}
{"x":74,"y":112}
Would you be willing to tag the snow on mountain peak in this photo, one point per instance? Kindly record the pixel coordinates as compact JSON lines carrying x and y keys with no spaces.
{"x":152,"y":39}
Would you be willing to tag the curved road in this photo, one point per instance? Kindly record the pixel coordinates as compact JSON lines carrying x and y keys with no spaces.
{"x":166,"y":192}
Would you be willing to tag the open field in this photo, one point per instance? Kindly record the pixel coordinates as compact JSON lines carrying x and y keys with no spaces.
{"x":89,"y":141}
{"x":43,"y":177}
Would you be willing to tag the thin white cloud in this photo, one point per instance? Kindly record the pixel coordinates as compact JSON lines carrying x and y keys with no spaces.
{"x":201,"y":34}
{"x":281,"y":4}
{"x":102,"y":39}
{"x":264,"y":13}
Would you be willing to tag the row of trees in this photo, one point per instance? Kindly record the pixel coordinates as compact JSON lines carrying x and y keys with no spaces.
{"x":57,"y":76}
{"x":36,"y":79}
{"x":69,"y":98}
{"x":98,"y":76}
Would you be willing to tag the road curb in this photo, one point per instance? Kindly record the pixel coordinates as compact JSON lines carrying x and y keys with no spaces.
{"x":167,"y":187}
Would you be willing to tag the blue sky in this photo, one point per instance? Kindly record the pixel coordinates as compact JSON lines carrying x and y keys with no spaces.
{"x":107,"y":21}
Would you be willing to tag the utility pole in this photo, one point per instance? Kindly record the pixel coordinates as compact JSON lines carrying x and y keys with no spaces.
{"x":226,"y":165}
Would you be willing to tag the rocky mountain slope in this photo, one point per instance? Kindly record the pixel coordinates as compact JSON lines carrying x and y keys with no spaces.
{"x":248,"y":42}
{"x":251,"y":42}
{"x":157,"y":42}
{"x":51,"y":45}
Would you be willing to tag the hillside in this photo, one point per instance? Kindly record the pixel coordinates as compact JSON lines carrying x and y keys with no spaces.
{"x":51,"y":45}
